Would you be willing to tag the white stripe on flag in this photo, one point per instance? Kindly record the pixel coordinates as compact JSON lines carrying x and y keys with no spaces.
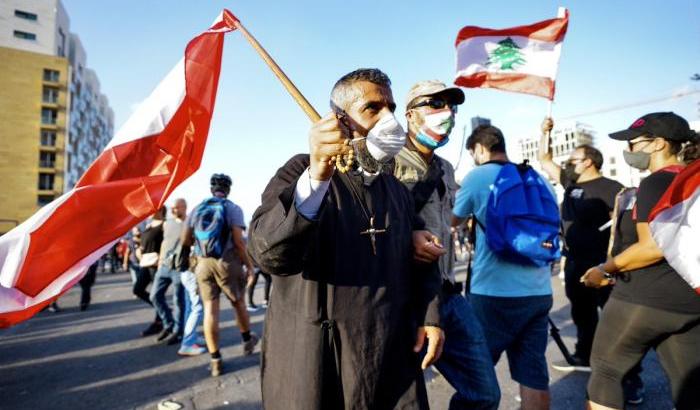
{"x":541,"y":57}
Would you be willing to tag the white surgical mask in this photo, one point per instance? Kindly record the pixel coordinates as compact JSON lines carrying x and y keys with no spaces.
{"x":386,"y":138}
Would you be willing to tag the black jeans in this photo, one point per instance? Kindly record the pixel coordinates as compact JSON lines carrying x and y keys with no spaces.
{"x":626,"y":332}
{"x":585,"y":302}
{"x":144,"y":276}
{"x":86,"y":284}
{"x":251,"y":287}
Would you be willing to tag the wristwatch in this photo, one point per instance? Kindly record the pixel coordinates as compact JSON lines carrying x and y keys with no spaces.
{"x":606,"y":275}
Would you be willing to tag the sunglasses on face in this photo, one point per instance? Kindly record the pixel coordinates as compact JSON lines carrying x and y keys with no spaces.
{"x":631,"y":144}
{"x":436,"y":104}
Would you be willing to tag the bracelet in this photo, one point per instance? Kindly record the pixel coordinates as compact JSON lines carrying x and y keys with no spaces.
{"x":606,"y":274}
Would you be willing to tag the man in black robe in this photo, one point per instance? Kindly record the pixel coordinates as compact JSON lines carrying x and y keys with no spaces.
{"x":354,"y":280}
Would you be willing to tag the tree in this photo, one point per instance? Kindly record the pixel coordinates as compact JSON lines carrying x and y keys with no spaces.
{"x":507,"y":54}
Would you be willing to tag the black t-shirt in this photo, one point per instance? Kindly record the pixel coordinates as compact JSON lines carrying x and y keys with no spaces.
{"x":151,"y":238}
{"x":585,"y":208}
{"x":657,"y":285}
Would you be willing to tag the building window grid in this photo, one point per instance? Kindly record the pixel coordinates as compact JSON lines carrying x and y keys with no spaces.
{"x":48,"y":138}
{"x":51,"y":75}
{"x":26,"y":15}
{"x":24,"y":35}
{"x":42,"y":200}
{"x":46,"y":181}
{"x":50,"y":95}
{"x":49,"y":116}
{"x":47,"y":159}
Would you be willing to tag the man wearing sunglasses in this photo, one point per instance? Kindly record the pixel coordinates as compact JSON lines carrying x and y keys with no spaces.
{"x":465,"y":361}
{"x":589,"y":199}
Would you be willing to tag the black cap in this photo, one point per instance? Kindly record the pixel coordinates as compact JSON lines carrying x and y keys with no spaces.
{"x":665,"y":125}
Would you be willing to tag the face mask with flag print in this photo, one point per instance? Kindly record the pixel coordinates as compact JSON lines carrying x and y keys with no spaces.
{"x":436,"y":128}
{"x":386,"y":138}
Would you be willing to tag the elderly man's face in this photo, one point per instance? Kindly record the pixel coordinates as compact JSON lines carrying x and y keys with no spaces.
{"x":179,"y":210}
{"x":371,"y":102}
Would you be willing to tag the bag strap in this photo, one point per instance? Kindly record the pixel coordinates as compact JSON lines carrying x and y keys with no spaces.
{"x":423,"y":190}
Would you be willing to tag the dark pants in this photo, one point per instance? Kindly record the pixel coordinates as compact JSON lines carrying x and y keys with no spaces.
{"x":465,"y":362}
{"x":626,"y":332}
{"x":251,"y":287}
{"x":584,"y":302}
{"x":144,"y":276}
{"x":86,"y":284}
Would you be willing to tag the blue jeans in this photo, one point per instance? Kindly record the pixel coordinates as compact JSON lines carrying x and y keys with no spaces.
{"x":465,"y":361}
{"x":193,"y":308}
{"x":171,"y":319}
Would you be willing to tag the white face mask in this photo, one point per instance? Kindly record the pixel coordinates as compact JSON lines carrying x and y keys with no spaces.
{"x":386,"y":138}
{"x":440,"y":122}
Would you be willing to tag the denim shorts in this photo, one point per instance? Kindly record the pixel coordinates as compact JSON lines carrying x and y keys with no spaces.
{"x":518,"y":326}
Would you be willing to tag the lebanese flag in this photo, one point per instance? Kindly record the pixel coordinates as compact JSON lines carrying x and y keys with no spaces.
{"x":522,"y":59}
{"x":675,"y":224}
{"x":157,"y":148}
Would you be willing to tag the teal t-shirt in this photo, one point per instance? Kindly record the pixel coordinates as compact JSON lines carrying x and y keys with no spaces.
{"x":491,"y":275}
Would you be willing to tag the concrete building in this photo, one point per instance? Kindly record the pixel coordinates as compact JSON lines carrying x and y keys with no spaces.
{"x":564,"y":139}
{"x":55,"y":120}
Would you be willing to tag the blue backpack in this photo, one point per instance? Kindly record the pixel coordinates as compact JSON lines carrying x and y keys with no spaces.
{"x":211,"y":231}
{"x":522,"y":217}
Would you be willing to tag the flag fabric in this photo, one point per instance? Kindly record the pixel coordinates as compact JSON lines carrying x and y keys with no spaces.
{"x":522,"y":59}
{"x":675,"y":224}
{"x":157,"y":148}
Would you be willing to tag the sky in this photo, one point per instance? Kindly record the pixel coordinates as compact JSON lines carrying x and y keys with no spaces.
{"x":616,"y":53}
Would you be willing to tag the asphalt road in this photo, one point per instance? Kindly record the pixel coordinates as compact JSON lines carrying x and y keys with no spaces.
{"x":97,"y":360}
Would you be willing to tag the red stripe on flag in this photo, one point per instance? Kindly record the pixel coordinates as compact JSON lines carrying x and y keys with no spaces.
{"x":521,"y":83}
{"x":127,"y":182}
{"x":552,"y":30}
{"x":682,"y":188}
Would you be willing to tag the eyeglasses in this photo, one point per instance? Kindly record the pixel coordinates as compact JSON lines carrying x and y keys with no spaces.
{"x":631,"y":144}
{"x":436,"y":104}
{"x":575,"y":161}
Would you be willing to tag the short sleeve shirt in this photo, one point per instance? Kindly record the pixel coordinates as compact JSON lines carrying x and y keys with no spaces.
{"x":234,"y":217}
{"x":491,"y":275}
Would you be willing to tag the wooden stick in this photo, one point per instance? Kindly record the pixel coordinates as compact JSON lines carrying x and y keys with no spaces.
{"x":286,"y":82}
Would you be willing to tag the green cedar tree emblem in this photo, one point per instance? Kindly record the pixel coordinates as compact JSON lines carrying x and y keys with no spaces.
{"x":507,"y":54}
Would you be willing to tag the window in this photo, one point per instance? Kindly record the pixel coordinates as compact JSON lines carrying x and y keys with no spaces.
{"x":46,"y":181}
{"x":48,"y":116}
{"x":51,"y":75}
{"x":613,"y":172}
{"x":42,"y":200}
{"x":612,"y":160}
{"x":50,"y":95}
{"x":24,"y":35}
{"x":25,"y":15}
{"x":48,"y":138}
{"x":47,"y":159}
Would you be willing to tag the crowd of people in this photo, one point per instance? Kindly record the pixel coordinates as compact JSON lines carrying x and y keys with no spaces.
{"x":358,"y":239}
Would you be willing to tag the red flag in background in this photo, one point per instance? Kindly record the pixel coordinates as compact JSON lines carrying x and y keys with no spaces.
{"x":158,"y":147}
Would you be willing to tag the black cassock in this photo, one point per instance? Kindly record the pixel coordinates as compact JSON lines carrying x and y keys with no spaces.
{"x":342,"y":322}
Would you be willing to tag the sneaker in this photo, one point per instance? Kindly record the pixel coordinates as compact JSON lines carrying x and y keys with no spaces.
{"x":54,"y":308}
{"x":216,"y":367}
{"x":152,"y":329}
{"x":577,"y":365}
{"x":634,"y":391}
{"x":249,"y":346}
{"x":265,"y":304}
{"x":193,"y":350}
{"x":252,"y":308}
{"x":164,"y":334}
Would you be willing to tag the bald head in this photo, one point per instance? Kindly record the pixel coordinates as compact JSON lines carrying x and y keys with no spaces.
{"x":179,"y":210}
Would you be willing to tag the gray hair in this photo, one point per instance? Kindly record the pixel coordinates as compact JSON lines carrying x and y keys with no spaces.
{"x":343,"y":93}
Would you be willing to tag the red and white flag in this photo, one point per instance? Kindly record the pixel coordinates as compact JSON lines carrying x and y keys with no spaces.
{"x":522,"y":59}
{"x":158,"y":147}
{"x":675,"y":224}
